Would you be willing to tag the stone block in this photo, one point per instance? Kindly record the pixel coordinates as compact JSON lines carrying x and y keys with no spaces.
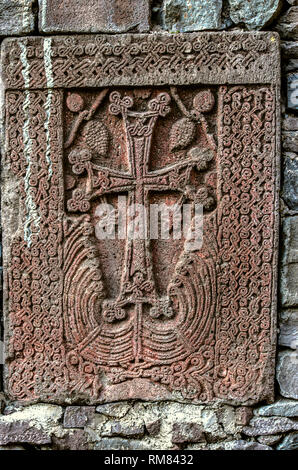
{"x":290,"y":183}
{"x":243,"y":415}
{"x":129,"y":430}
{"x":289,"y":293}
{"x":289,"y":49}
{"x":114,"y":410}
{"x":268,"y":426}
{"x":255,"y":14}
{"x":290,"y":123}
{"x":291,"y":66}
{"x":290,"y":240}
{"x":287,"y":25}
{"x":290,"y":442}
{"x":16,"y":17}
{"x":287,"y":373}
{"x":153,"y":427}
{"x":78,"y":416}
{"x":290,"y":141}
{"x":270,"y":440}
{"x":72,"y":440}
{"x":22,"y":432}
{"x":183,"y":433}
{"x":150,"y":116}
{"x":289,"y":265}
{"x":282,"y":407}
{"x":193,"y":15}
{"x":121,"y":444}
{"x":288,"y":325}
{"x":245,"y":445}
{"x":93,"y":16}
{"x":292,"y":103}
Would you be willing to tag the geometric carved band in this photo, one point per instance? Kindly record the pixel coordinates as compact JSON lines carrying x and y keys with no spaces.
{"x":155,"y":59}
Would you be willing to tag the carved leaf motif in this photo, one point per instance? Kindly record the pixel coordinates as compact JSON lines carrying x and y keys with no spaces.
{"x":96,"y":137}
{"x":182,"y":134}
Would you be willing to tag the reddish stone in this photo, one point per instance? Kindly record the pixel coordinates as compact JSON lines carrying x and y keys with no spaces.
{"x":92,"y":16}
{"x":183,"y":433}
{"x":22,"y":432}
{"x":161,"y":119}
{"x":153,"y":427}
{"x":243,"y":415}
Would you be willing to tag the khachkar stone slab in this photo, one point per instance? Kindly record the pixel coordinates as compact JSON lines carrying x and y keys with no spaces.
{"x":93,"y":16}
{"x":158,"y":118}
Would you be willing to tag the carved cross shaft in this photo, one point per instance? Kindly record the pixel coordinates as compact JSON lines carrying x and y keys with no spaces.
{"x":137,"y":283}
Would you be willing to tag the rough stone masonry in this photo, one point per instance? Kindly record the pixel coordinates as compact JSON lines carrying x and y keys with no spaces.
{"x":135,"y":343}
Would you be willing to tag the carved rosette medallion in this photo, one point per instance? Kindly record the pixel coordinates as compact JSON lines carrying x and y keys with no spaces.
{"x":150,"y":120}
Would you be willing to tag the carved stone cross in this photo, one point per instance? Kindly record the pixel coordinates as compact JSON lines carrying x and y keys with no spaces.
{"x":206,"y":330}
{"x":137,"y":283}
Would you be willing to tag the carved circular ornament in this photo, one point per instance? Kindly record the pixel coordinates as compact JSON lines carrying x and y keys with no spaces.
{"x":75,"y":102}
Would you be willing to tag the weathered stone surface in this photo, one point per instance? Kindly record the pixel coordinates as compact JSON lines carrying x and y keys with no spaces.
{"x":193,"y":15}
{"x":103,"y":116}
{"x":290,"y":140}
{"x":179,"y":15}
{"x":266,"y":426}
{"x":287,"y":25}
{"x":31,"y":425}
{"x":287,"y":373}
{"x":290,"y":442}
{"x":22,"y":432}
{"x":121,"y":444}
{"x":114,"y":410}
{"x":124,"y":430}
{"x":12,"y":408}
{"x":289,"y":49}
{"x":78,"y":416}
{"x":290,"y":123}
{"x":73,"y":440}
{"x":244,"y":445}
{"x":288,"y":324}
{"x":290,"y":183}
{"x":183,"y":433}
{"x":243,"y":415}
{"x":92,"y":16}
{"x":16,"y":17}
{"x":226,"y":419}
{"x":43,"y":416}
{"x":289,"y":294}
{"x":291,"y":66}
{"x":288,"y":408}
{"x":289,"y":267}
{"x":254,"y":14}
{"x":153,"y":427}
{"x":270,"y":440}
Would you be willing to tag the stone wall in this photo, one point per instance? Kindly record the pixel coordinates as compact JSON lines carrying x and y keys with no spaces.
{"x":167,"y":425}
